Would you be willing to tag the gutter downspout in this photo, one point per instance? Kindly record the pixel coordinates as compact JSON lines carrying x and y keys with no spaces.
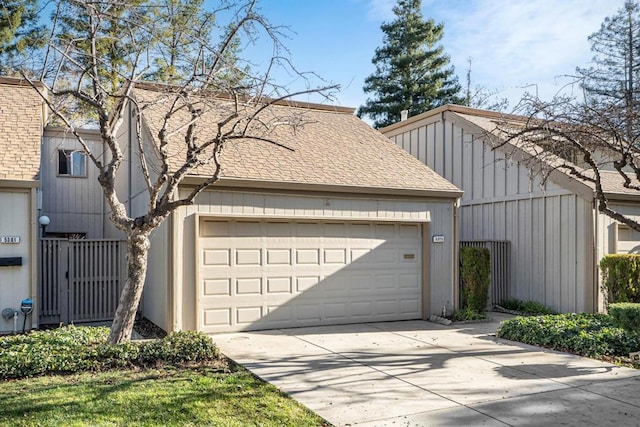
{"x":129,"y":171}
{"x":596,"y":252}
{"x":456,"y":255}
{"x":444,"y":144}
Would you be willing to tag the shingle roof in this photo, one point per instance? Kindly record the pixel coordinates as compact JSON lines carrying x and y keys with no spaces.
{"x":331,"y":147}
{"x":21,"y":126}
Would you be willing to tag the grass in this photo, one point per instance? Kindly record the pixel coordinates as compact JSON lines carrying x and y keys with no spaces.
{"x":168,"y":396}
{"x":71,"y":376}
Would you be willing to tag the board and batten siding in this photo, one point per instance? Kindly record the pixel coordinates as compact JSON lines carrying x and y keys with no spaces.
{"x":74,"y":204}
{"x":550,"y":228}
{"x":438,"y":214}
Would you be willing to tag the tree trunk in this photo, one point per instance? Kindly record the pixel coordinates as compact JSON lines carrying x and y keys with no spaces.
{"x":137,"y":254}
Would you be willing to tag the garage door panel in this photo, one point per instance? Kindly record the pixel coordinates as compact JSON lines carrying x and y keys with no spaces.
{"x":217,"y":257}
{"x":307,"y":256}
{"x":279,"y":285}
{"x":217,"y":287}
{"x":266,"y":274}
{"x":278,"y":257}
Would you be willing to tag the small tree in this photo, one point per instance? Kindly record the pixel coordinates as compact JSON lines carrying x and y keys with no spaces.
{"x":475,"y":270}
{"x":412,"y":72}
{"x":100,"y":50}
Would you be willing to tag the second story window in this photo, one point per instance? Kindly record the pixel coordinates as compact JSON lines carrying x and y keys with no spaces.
{"x":72,"y":163}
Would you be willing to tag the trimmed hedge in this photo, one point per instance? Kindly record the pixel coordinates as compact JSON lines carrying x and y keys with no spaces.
{"x":75,"y":349}
{"x":621,"y":277}
{"x":475,"y":267}
{"x":590,"y":335}
{"x":626,"y":315}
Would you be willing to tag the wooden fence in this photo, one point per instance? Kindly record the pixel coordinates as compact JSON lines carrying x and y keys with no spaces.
{"x":500,"y":253}
{"x":80,"y":280}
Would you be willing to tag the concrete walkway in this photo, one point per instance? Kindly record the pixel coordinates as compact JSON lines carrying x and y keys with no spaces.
{"x":417,"y":373}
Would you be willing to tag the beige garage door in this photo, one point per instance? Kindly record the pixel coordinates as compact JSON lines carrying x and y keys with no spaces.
{"x":270,"y":274}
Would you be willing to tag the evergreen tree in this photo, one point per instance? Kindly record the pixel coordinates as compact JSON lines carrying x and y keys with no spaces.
{"x":19,"y":31}
{"x":412,"y":71}
{"x":612,"y":83}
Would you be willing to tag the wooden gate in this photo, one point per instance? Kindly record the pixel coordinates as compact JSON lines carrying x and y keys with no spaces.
{"x":80,"y":280}
{"x":500,"y":257}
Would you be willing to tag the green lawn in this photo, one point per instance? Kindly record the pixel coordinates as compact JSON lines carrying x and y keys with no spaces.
{"x":205,"y":396}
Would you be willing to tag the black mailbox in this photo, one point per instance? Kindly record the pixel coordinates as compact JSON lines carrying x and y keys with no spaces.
{"x":10,"y":261}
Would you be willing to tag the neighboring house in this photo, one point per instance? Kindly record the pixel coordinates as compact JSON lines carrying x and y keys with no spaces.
{"x":337,"y":230}
{"x":22,"y":118}
{"x":557,"y":235}
{"x":71,"y":195}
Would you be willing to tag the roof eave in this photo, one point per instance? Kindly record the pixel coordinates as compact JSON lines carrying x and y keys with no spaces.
{"x":19,"y":183}
{"x":623,"y":197}
{"x":235,"y":183}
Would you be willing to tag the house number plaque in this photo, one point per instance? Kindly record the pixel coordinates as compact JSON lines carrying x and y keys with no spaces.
{"x":10,"y":239}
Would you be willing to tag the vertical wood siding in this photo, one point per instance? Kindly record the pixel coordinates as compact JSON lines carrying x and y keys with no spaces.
{"x":440,"y":214}
{"x":74,"y":204}
{"x":549,"y":227}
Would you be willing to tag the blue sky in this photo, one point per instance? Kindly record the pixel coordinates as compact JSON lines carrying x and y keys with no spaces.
{"x":515,"y":44}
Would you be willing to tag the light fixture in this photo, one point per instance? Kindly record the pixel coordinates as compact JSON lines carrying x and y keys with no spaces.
{"x":44,"y":221}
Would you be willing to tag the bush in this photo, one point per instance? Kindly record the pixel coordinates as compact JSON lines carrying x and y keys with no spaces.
{"x":475,"y":267}
{"x":76,"y":349}
{"x":625,"y":315}
{"x":621,"y":277}
{"x":528,"y":307}
{"x":585,"y":334}
{"x":466,"y":314}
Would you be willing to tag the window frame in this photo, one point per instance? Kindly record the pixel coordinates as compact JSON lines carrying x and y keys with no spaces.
{"x":69,"y":155}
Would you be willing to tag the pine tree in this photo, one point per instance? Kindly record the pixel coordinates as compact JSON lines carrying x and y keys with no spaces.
{"x":412,"y":71}
{"x":19,"y":31}
{"x":612,"y":83}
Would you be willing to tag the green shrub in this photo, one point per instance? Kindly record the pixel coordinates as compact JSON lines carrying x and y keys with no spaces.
{"x":76,"y":349}
{"x":621,"y":277}
{"x":466,"y":314}
{"x":475,"y":267}
{"x":625,"y":315}
{"x":584,"y":334}
{"x":179,"y":348}
{"x":528,"y":307}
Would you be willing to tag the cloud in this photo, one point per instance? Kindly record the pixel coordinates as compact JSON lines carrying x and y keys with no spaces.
{"x":380,"y":10}
{"x":513,"y":43}
{"x":521,"y":41}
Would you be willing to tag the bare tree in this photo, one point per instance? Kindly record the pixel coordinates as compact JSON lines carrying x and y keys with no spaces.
{"x":99,"y":52}
{"x":587,"y":141}
{"x":594,"y":135}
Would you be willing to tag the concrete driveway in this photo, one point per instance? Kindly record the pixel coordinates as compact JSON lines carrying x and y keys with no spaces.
{"x":417,"y":373}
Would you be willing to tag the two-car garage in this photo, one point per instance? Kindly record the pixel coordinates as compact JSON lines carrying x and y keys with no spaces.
{"x":333,"y":223}
{"x":266,"y":274}
{"x":251,"y":261}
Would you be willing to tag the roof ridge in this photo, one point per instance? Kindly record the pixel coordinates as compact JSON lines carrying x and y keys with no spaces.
{"x":162,"y":87}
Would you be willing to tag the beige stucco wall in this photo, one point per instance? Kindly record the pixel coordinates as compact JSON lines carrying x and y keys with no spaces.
{"x":18,"y":218}
{"x":439,"y":214}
